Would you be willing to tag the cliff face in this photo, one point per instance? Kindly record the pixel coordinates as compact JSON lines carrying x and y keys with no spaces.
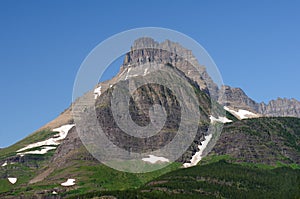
{"x":146,"y":50}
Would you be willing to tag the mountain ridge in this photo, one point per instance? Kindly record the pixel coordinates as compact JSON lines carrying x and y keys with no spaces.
{"x":237,"y":99}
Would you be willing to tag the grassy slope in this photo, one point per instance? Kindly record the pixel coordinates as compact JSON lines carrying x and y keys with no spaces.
{"x":38,"y":136}
{"x":25,"y":168}
{"x":217,"y":180}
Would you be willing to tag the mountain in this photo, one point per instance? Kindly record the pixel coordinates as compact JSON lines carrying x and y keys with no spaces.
{"x":255,"y":156}
{"x":237,"y":99}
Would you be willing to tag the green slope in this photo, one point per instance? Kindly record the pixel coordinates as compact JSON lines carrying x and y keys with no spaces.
{"x":217,"y":180}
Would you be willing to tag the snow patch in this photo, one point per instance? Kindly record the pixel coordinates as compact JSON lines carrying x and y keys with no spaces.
{"x":63,"y":132}
{"x":4,"y":164}
{"x":198,"y":155}
{"x":69,"y":182}
{"x":97,"y":92}
{"x":220,"y":119}
{"x":145,"y":72}
{"x":154,"y":159}
{"x":12,"y":180}
{"x":242,"y":114}
{"x":129,"y":69}
{"x":44,"y":150}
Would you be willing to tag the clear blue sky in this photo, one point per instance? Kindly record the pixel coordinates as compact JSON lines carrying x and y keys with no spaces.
{"x":255,"y":44}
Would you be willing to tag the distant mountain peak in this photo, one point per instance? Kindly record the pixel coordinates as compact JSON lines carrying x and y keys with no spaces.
{"x":236,"y":98}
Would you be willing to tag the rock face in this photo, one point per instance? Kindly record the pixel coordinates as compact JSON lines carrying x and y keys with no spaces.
{"x":139,"y":106}
{"x":236,"y":98}
{"x":281,"y":107}
{"x":146,"y":50}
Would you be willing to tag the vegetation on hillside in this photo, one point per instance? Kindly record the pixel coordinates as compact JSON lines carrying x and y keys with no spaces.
{"x":216,"y":180}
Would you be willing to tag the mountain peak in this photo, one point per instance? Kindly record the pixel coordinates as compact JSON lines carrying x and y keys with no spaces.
{"x":166,"y":45}
{"x":147,"y":50}
{"x":143,"y":42}
{"x":237,"y":98}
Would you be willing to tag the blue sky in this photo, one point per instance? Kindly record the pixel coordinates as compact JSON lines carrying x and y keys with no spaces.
{"x":255,"y":44}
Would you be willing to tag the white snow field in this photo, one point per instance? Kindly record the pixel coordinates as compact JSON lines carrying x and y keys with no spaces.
{"x":63,"y":132}
{"x":220,"y":119}
{"x":69,"y":182}
{"x":241,"y":114}
{"x":12,"y":180}
{"x":97,"y":92}
{"x":155,"y":159}
{"x":44,"y":150}
{"x":127,"y":75}
{"x":4,"y":164}
{"x":198,"y":155}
